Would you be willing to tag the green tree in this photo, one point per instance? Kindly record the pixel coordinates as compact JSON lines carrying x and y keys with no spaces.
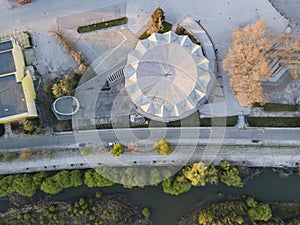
{"x":76,"y":178}
{"x":230,"y":175}
{"x":176,"y":186}
{"x":117,"y":150}
{"x":229,"y":213}
{"x":146,"y":212}
{"x":6,"y":184}
{"x":56,"y":183}
{"x":94,"y":179}
{"x":260,"y":212}
{"x":162,"y":147}
{"x":155,"y":177}
{"x":24,"y":185}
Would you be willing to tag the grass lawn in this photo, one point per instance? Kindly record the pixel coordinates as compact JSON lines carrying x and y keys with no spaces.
{"x":167,"y":27}
{"x":194,"y":121}
{"x":102,"y":25}
{"x":274,"y":107}
{"x":277,"y":107}
{"x":274,"y":121}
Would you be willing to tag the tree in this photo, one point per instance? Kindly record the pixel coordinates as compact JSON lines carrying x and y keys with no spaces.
{"x":230,"y":175}
{"x":258,"y":211}
{"x":62,"y":88}
{"x":6,"y":185}
{"x":162,"y":147}
{"x":176,"y":186}
{"x":27,"y":154}
{"x":229,"y":213}
{"x":57,"y":182}
{"x":10,"y":156}
{"x":212,"y":175}
{"x":94,"y":179}
{"x":32,"y":126}
{"x":76,"y":178}
{"x":286,"y":51}
{"x":23,"y":184}
{"x":196,"y":174}
{"x":158,"y":16}
{"x":246,"y":62}
{"x":146,"y":212}
{"x":117,"y":150}
{"x":155,"y":177}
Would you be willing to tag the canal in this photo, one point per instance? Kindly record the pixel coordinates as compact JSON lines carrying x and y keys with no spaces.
{"x":168,"y":209}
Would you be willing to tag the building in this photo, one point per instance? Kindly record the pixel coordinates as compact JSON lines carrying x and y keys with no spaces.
{"x":17,"y":95}
{"x":167,"y":77}
{"x":65,"y":107}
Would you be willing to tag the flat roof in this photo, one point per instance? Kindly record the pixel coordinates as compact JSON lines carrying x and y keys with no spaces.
{"x":4,"y":46}
{"x":12,"y":98}
{"x":7,"y":64}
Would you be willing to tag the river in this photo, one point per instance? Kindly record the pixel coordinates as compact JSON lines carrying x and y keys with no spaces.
{"x":168,"y":209}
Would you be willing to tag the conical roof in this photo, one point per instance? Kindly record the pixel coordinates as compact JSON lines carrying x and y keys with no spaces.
{"x":167,"y":76}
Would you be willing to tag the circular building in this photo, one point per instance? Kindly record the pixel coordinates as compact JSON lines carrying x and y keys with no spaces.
{"x":167,"y":77}
{"x":64,"y":107}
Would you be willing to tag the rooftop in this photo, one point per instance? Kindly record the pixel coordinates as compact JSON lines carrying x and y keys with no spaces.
{"x":7,"y":64}
{"x":12,"y":99}
{"x":16,"y":88}
{"x":168,"y":77}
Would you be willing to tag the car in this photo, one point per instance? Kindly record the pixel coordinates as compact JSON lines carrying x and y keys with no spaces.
{"x":111,"y":144}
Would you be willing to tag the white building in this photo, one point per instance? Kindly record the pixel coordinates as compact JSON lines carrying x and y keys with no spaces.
{"x":167,"y":77}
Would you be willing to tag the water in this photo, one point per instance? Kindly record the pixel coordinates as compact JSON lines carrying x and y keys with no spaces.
{"x":168,"y":209}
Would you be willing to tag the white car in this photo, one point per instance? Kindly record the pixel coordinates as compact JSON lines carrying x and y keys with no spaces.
{"x":111,"y":143}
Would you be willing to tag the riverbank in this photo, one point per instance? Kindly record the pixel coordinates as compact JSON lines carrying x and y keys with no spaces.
{"x":108,"y":209}
{"x":242,"y":210}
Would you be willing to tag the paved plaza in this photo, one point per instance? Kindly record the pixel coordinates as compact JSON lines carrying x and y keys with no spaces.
{"x":107,"y":49}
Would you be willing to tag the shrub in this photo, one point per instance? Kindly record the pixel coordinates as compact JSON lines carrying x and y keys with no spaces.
{"x":27,"y":154}
{"x":10,"y":156}
{"x":162,"y":147}
{"x":48,"y":153}
{"x":32,"y":126}
{"x":117,"y":150}
{"x":86,"y":151}
{"x":98,"y":194}
{"x":146,"y":212}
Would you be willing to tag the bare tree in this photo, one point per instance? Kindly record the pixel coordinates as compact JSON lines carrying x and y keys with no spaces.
{"x":247,"y":64}
{"x":249,"y":57}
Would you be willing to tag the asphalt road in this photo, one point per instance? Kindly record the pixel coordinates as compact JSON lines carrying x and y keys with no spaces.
{"x":227,"y":136}
{"x":272,"y":148}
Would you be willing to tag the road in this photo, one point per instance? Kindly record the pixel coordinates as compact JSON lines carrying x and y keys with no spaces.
{"x":227,"y":136}
{"x":272,"y":148}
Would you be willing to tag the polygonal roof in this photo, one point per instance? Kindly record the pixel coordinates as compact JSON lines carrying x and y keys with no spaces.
{"x":167,"y":76}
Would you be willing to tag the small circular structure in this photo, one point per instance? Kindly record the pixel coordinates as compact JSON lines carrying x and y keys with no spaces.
{"x":66,"y":105}
{"x":167,"y":77}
